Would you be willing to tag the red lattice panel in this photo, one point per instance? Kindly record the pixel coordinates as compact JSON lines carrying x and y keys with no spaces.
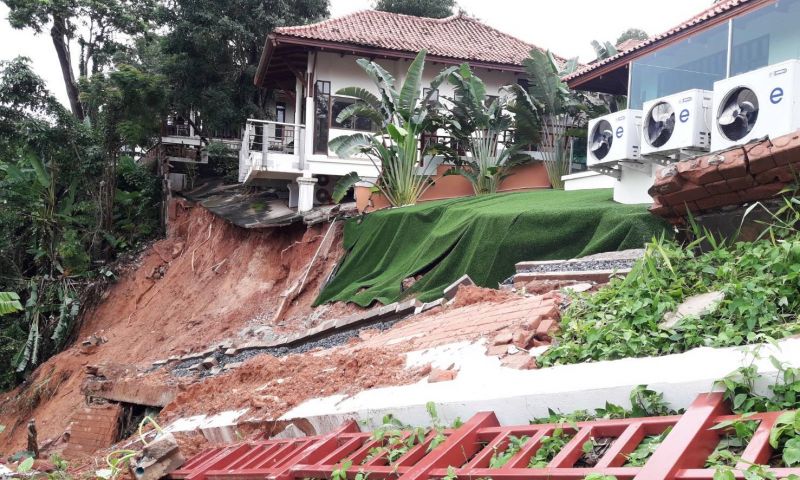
{"x":469,"y":449}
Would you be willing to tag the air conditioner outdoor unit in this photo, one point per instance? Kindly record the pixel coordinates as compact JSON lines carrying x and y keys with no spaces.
{"x":614,"y":138}
{"x":323,"y":193}
{"x":755,"y":104}
{"x":677,"y":122}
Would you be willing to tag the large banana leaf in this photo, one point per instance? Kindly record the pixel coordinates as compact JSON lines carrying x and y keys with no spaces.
{"x":409,"y":94}
{"x":347,"y":145}
{"x":343,"y":185}
{"x":360,"y":110}
{"x":362,"y":94}
{"x":9,"y":303}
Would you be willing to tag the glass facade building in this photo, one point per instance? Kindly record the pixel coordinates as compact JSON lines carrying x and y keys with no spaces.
{"x":761,"y":37}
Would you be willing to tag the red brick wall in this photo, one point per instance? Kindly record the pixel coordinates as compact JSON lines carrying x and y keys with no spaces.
{"x":753,"y":172}
{"x":93,"y":428}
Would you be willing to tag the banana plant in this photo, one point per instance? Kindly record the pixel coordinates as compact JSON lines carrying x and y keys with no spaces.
{"x":552,"y":107}
{"x":480,"y":126}
{"x":402,"y":116}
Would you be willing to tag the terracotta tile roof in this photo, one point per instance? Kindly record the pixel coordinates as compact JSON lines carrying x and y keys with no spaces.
{"x":702,"y":17}
{"x":458,"y":37}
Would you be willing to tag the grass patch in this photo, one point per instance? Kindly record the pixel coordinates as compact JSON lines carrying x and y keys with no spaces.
{"x":482,"y":236}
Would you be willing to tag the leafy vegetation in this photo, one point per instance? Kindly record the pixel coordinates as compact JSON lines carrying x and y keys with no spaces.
{"x":394,"y":439}
{"x":632,"y":34}
{"x":736,"y":436}
{"x":549,"y":110}
{"x":759,"y":281}
{"x":513,"y":447}
{"x":549,"y":447}
{"x":417,"y":8}
{"x":483,"y":125}
{"x":59,"y":182}
{"x":646,"y":449}
{"x":402,"y":116}
{"x":211,"y":52}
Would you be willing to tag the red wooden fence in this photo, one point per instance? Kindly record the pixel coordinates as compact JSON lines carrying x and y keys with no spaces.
{"x":469,"y":448}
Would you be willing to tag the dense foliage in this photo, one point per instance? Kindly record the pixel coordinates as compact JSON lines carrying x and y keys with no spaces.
{"x":482,"y":125}
{"x":418,"y":8}
{"x":212,"y":50}
{"x":760,"y":281}
{"x":60,"y":188}
{"x":73,"y":196}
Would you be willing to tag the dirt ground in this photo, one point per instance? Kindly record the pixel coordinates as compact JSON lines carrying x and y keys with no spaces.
{"x":271,"y":386}
{"x":206,"y":281}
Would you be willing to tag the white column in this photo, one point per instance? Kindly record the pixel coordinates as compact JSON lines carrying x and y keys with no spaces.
{"x":310,"y":113}
{"x":305,"y":201}
{"x":298,"y":99}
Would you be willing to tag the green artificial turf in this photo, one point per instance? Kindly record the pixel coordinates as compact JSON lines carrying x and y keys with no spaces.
{"x":481,"y":236}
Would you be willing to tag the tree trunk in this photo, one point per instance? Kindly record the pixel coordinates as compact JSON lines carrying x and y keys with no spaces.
{"x":57,"y":33}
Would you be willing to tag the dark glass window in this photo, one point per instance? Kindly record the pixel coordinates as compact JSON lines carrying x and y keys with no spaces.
{"x":696,"y":62}
{"x":353,"y":123}
{"x":765,"y":36}
{"x":322,"y":97}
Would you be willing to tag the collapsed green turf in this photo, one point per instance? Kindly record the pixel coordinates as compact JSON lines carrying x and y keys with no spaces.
{"x":481,"y":236}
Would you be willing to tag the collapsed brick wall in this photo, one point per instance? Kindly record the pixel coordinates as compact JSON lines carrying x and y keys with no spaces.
{"x":93,"y":428}
{"x":756,"y":171}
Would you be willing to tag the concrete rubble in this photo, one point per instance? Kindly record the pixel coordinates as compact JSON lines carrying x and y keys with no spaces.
{"x":694,"y":306}
{"x":157,"y":459}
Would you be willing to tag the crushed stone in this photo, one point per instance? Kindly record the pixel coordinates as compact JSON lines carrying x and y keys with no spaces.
{"x":578,"y":266}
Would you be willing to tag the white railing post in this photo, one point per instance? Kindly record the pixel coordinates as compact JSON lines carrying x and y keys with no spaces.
{"x":244,"y":153}
{"x":264,"y":143}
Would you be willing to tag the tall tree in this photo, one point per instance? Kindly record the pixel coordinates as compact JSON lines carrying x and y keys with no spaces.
{"x":93,"y":25}
{"x":213,"y":49}
{"x":418,"y":8}
{"x":632,"y":34}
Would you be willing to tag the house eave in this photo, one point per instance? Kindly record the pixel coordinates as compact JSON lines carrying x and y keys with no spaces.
{"x":275,"y":40}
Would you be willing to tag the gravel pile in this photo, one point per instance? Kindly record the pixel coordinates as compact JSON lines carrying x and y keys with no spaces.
{"x":578,"y":266}
{"x":338,"y":337}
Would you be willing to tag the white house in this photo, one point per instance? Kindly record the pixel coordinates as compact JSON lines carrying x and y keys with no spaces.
{"x":307,"y":65}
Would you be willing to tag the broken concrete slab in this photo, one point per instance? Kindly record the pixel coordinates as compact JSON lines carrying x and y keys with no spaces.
{"x":439,"y":375}
{"x":450,"y":291}
{"x":407,"y":306}
{"x":503,"y":338}
{"x":579,"y":287}
{"x":386,"y":310}
{"x":429,"y":305}
{"x":695,"y":306}
{"x":599,"y":276}
{"x":209,"y":362}
{"x":231,"y":351}
{"x":520,"y":361}
{"x":291,"y":431}
{"x":157,"y":459}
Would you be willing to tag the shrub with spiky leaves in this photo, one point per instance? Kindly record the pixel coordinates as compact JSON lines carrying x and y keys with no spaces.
{"x":402,"y":116}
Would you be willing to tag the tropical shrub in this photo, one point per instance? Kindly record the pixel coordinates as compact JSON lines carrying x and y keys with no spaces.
{"x":402,"y":115}
{"x":480,"y":125}
{"x":550,"y":109}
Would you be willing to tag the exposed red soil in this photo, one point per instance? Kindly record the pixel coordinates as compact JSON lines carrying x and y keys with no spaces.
{"x":271,"y":386}
{"x":206,"y":281}
{"x":470,"y":295}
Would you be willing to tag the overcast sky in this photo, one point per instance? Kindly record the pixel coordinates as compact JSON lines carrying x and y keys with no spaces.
{"x":563,"y":26}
